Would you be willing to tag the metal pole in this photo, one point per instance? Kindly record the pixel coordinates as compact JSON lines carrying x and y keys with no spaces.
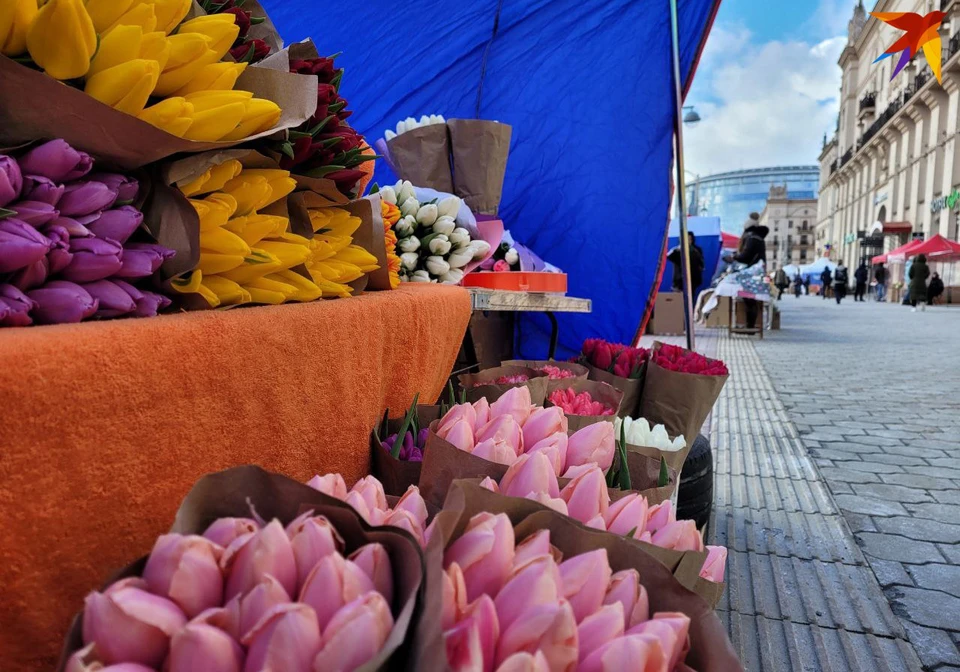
{"x":681,"y":185}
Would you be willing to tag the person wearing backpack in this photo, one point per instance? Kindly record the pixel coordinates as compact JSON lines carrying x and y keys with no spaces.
{"x":919,"y":272}
{"x":840,"y":282}
{"x":826,"y":279}
{"x":861,"y":275}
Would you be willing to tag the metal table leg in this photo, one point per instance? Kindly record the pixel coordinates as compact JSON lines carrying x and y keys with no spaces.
{"x":554,"y":334}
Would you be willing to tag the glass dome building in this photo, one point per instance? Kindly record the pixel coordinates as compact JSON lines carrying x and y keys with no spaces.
{"x":733,"y":196}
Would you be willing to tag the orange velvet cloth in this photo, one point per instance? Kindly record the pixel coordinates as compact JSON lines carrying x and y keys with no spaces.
{"x":106,"y":426}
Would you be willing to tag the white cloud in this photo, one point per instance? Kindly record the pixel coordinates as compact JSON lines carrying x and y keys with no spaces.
{"x":762,"y":105}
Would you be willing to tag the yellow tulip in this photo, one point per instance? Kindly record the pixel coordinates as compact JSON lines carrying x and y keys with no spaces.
{"x":219,"y":240}
{"x":337,"y":243}
{"x":190,"y":283}
{"x":212,"y":263}
{"x":328,"y":288}
{"x":269,"y":290}
{"x":194,"y":186}
{"x":120,"y":45}
{"x":211,"y":125}
{"x":289,"y":254}
{"x":209,"y":100}
{"x":223,"y":173}
{"x":254,"y":228}
{"x":189,"y":53}
{"x":169,"y":13}
{"x":255,"y":265}
{"x":214,"y":77}
{"x":306,"y":290}
{"x":229,"y":292}
{"x":358,"y":256}
{"x":15,"y":19}
{"x":156,"y":47}
{"x":214,"y":210}
{"x":336,"y":271}
{"x":222,"y":29}
{"x":105,"y":13}
{"x":173,"y":115}
{"x":260,"y":115}
{"x":335,"y":221}
{"x":125,"y":87}
{"x":280,"y":182}
{"x":142,"y":15}
{"x":62,"y":39}
{"x":320,"y":250}
{"x":251,"y":194}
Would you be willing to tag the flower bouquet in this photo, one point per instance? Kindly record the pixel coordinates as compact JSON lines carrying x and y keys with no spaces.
{"x":617,"y":365}
{"x":559,"y":374}
{"x":491,"y":384}
{"x":257,"y":36}
{"x":654,"y":443}
{"x":585,"y":402}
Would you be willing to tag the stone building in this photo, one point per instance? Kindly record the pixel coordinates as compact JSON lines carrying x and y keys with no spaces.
{"x":792,"y":222}
{"x":892,"y":168}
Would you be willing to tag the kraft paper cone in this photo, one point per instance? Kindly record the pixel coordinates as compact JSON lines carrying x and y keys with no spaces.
{"x":644,"y":476}
{"x":422,"y":156}
{"x":480,"y":151}
{"x":606,"y":394}
{"x":265,"y":31}
{"x":579,"y":371}
{"x":673,"y":458}
{"x":397,"y":475}
{"x":444,"y":463}
{"x":631,"y":388}
{"x":477,"y":385}
{"x":380,"y":278}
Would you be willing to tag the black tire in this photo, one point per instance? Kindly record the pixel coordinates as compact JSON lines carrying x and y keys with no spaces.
{"x":695,"y":497}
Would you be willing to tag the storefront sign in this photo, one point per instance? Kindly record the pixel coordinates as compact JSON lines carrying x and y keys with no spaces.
{"x":938,"y":204}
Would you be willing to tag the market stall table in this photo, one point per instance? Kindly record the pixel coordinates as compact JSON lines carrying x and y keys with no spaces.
{"x":107,"y":425}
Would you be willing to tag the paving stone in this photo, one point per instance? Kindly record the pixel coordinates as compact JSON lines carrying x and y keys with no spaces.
{"x":949,"y":462}
{"x":890,"y":573}
{"x":869,"y":506}
{"x":895,"y":493}
{"x":837,"y":455}
{"x":946,"y":496}
{"x":951,"y":552}
{"x":945,"y":513}
{"x":850,"y":476}
{"x":926,"y":607}
{"x":921,"y":482}
{"x":939,"y":444}
{"x":935,"y":647}
{"x":848,"y":447}
{"x":898,"y":461}
{"x":920,"y":529}
{"x":872,"y":466}
{"x":840,"y":488}
{"x":892,"y":433}
{"x":895,"y":547}
{"x":821,"y":435}
{"x":860,"y":424}
{"x":859,"y":522}
{"x":937,"y":472}
{"x":937,"y":577}
{"x":913,"y":450}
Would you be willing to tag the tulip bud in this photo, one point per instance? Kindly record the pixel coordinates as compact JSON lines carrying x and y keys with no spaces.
{"x":186,"y":570}
{"x":680,"y":535}
{"x":503,"y":429}
{"x":585,"y":578}
{"x":586,"y":495}
{"x":38,"y":188}
{"x":420,"y":276}
{"x":671,"y":630}
{"x":57,"y":161}
{"x":409,"y":260}
{"x":512,"y":256}
{"x":286,"y":638}
{"x":600,"y":627}
{"x":594,"y":443}
{"x":112,"y":299}
{"x":444,"y":225}
{"x":86,"y":198}
{"x":355,"y":634}
{"x":452,"y":277}
{"x":410,"y":244}
{"x":630,"y":652}
{"x":266,"y":552}
{"x":427,"y":214}
{"x":15,"y":307}
{"x":141,"y":260}
{"x":189,"y":54}
{"x":170,"y":13}
{"x":715,"y":564}
{"x":312,"y":539}
{"x":12,"y":182}
{"x":449,"y":207}
{"x":535,"y":583}
{"x":388,"y":195}
{"x":459,"y":412}
{"x":204,"y":647}
{"x":224,"y":531}
{"x":439,"y":245}
{"x":149,"y":303}
{"x":531,"y":473}
{"x":62,"y":39}
{"x":332,"y":583}
{"x":660,"y":516}
{"x":34,"y":213}
{"x":129,"y":625}
{"x":543,"y":423}
{"x":410,"y":207}
{"x":437,"y":266}
{"x":118,"y":224}
{"x":481,"y":249}
{"x":516,"y":402}
{"x":125,"y":87}
{"x":555,"y":448}
{"x":460,"y":237}
{"x":20,"y":245}
{"x":330,"y":484}
{"x":173,"y":115}
{"x":15,"y":20}
{"x":255,"y":604}
{"x":214,"y":77}
{"x":32,"y":276}
{"x":373,"y":560}
{"x":127,"y":188}
{"x":61,"y":302}
{"x":472,"y":642}
{"x":489,"y":484}
{"x":405,"y":190}
{"x":625,"y":588}
{"x":93,"y":259}
{"x":525,"y":662}
{"x":550,"y":629}
{"x":484,"y":552}
{"x":626,"y":514}
{"x":371,"y":490}
{"x":221,"y":29}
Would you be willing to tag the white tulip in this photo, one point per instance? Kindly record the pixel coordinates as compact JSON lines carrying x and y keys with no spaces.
{"x":405,"y":227}
{"x":460,"y":258}
{"x":444,"y":225}
{"x":405,"y":190}
{"x":425,"y":120}
{"x":460,"y":237}
{"x":449,"y":207}
{"x":427,"y":214}
{"x":409,"y":244}
{"x":480,"y":248}
{"x":420,"y":276}
{"x":512,"y":256}
{"x":389,"y":195}
{"x":409,"y":207}
{"x":409,"y":260}
{"x":454,"y":276}
{"x":440,"y":119}
{"x":440,"y":245}
{"x":389,"y":135}
{"x":404,"y":278}
{"x":411,"y":123}
{"x":437,"y":266}
{"x":679,"y":443}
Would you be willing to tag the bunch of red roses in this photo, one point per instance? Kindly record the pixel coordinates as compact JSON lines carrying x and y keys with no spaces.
{"x":679,"y":359}
{"x":245,"y":50}
{"x":620,"y":360}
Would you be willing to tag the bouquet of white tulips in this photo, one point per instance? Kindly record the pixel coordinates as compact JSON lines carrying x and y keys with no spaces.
{"x":431,"y":246}
{"x":410,"y":123}
{"x":639,"y":433}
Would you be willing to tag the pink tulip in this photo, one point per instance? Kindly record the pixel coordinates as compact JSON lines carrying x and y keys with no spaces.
{"x":586,"y":495}
{"x":715,"y":564}
{"x":549,"y":628}
{"x":373,"y":560}
{"x":585,"y":578}
{"x":331,"y":484}
{"x":460,"y":435}
{"x":555,"y":448}
{"x":537,"y":582}
{"x":554,"y":503}
{"x":671,"y":630}
{"x":504,"y":429}
{"x":372,"y":492}
{"x":224,"y":531}
{"x":266,"y":552}
{"x":482,"y":408}
{"x":543,"y":423}
{"x":574,"y":471}
{"x":680,"y":535}
{"x":596,"y":523}
{"x":516,"y":402}
{"x":495,"y":451}
{"x":226,"y":618}
{"x":333,"y":583}
{"x":129,"y":625}
{"x":286,"y":638}
{"x":405,"y":521}
{"x":412,"y":501}
{"x":463,"y":648}
{"x":524,"y":662}
{"x":627,"y":514}
{"x":490,"y":484}
{"x":186,"y":569}
{"x":484,"y":552}
{"x":86,"y":660}
{"x":625,"y":588}
{"x":535,"y":545}
{"x":359,"y":504}
{"x":355,"y":634}
{"x":454,"y":596}
{"x":255,"y":604}
{"x":594,"y":443}
{"x":660,"y":515}
{"x":203,"y":648}
{"x":479,"y":618}
{"x":599,"y":628}
{"x":531,"y":473}
{"x":465,"y":412}
{"x":311,"y":538}
{"x":638,"y":653}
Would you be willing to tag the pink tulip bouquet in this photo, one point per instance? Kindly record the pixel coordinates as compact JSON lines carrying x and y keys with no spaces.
{"x":490,"y":384}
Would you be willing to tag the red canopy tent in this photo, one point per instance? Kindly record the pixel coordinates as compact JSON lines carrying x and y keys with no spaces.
{"x":729,"y":240}
{"x":899,"y":254}
{"x":937,"y":248}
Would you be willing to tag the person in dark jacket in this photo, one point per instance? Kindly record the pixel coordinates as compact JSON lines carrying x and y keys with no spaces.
{"x":781,"y":282}
{"x":919,"y":272}
{"x":880,"y":275}
{"x":696,"y":265}
{"x":861,"y":275}
{"x":826,"y":279}
{"x":797,"y":285}
{"x":840,"y":279}
{"x":935,"y":288}
{"x":752,"y":249}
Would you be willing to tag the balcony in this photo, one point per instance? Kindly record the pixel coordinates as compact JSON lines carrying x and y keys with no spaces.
{"x":868,"y":105}
{"x":953,"y":46}
{"x":846,"y":157}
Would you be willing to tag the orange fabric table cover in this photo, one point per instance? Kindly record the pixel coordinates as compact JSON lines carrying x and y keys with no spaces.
{"x":106,"y":426}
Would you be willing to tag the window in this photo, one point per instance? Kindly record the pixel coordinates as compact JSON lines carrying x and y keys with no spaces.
{"x":790,"y":224}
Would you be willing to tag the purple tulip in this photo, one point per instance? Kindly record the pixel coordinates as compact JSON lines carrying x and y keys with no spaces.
{"x":35,"y":213}
{"x":32,"y":276}
{"x":18,"y":306}
{"x":57,"y":161}
{"x":60,"y":302}
{"x":86,"y":198}
{"x":58,"y":259}
{"x":40,"y":188}
{"x":93,"y":259}
{"x":143,"y":259}
{"x":20,"y":245}
{"x":127,"y":187}
{"x":75,"y":228}
{"x":114,"y":300}
{"x":422,"y":437}
{"x":11,"y":180}
{"x":118,"y":224}
{"x":150,"y":304}
{"x":58,"y":235}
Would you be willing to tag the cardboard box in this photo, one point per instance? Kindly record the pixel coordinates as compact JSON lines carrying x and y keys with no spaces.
{"x":667,"y":314}
{"x":720,"y":317}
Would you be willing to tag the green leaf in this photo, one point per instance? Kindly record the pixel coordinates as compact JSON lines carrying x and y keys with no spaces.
{"x":664,"y":477}
{"x":319,"y":127}
{"x":463,"y":396}
{"x":335,"y":56}
{"x":453,"y":399}
{"x":257,"y":20}
{"x":375,"y":189}
{"x":398,"y":444}
{"x":630,"y":534}
{"x":323,"y":171}
{"x":624,"y":467}
{"x":335,"y":82}
{"x":296,"y":135}
{"x":4,"y":213}
{"x":414,"y":415}
{"x":336,"y":107}
{"x":385,"y":423}
{"x":363,"y":158}
{"x":330,"y":142}
{"x":248,"y":57}
{"x":287,"y":149}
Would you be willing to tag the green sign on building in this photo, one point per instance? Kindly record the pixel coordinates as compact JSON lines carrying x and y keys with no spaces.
{"x":938,"y":204}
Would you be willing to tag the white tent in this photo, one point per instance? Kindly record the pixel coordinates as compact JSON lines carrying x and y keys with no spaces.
{"x":791,"y":270}
{"x":814,"y":270}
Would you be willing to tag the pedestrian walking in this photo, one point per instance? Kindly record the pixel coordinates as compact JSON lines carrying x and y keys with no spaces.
{"x":919,"y":272}
{"x":840,"y":279}
{"x":935,"y":289}
{"x":797,"y":285}
{"x":806,"y":285}
{"x":861,"y":275}
{"x":880,"y":275}
{"x":752,"y":250}
{"x":826,"y":279}
{"x":781,"y":282}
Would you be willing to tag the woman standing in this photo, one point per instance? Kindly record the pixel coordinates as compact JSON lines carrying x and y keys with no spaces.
{"x":919,"y":272}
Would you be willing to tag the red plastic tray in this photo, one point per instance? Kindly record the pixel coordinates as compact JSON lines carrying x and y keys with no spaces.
{"x":518,"y":281}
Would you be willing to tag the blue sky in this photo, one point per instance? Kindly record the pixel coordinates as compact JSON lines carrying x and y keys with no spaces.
{"x":768,"y":84}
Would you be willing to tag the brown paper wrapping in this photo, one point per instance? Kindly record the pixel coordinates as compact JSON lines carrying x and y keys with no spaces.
{"x":480,"y":151}
{"x":46,"y":108}
{"x":673,"y":458}
{"x":233,"y":492}
{"x":422,"y":156}
{"x":477,"y":385}
{"x":380,"y":278}
{"x":606,"y":394}
{"x":265,"y":31}
{"x":397,"y":475}
{"x":679,"y":401}
{"x":580,"y":372}
{"x":710,"y":648}
{"x":631,"y":388}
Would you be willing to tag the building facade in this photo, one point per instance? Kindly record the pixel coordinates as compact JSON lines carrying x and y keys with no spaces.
{"x":892,"y":169}
{"x":792,"y":223}
{"x":734,"y":195}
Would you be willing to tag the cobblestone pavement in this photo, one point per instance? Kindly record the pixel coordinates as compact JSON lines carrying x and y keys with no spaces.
{"x":871,"y":392}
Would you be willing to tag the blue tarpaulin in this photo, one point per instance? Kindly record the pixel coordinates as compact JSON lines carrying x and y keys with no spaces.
{"x":586,"y":86}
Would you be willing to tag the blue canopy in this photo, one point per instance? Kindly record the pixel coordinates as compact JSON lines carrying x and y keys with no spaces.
{"x":586,"y":86}
{"x":707,"y":232}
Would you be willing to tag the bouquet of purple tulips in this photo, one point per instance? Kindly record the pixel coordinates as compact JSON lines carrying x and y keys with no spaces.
{"x":66,"y":253}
